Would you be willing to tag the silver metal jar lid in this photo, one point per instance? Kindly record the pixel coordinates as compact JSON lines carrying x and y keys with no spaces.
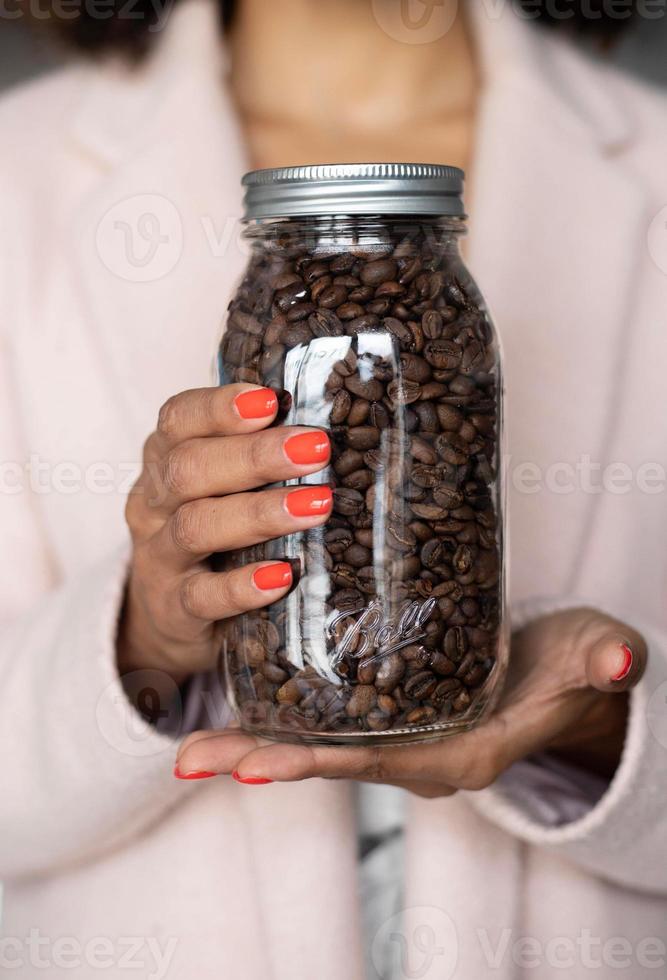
{"x":354,"y":188}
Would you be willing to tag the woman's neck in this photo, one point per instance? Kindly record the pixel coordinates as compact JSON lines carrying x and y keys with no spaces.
{"x":323,"y":81}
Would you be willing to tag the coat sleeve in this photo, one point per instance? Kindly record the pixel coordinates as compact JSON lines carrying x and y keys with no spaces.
{"x":616,"y":830}
{"x":81,"y":770}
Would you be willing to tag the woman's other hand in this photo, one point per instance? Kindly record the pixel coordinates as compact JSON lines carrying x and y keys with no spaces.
{"x":565,"y":693}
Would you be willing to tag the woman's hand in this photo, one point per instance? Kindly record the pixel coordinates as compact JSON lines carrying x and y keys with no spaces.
{"x":211,"y":446}
{"x":565,"y":693}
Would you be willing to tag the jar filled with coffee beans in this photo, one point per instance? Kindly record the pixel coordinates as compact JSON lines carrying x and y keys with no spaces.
{"x":356,"y":306}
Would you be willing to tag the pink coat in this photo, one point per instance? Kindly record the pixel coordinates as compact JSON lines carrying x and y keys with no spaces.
{"x":98,"y":843}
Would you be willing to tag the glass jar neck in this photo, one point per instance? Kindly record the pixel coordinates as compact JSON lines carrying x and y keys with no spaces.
{"x":327,"y":232}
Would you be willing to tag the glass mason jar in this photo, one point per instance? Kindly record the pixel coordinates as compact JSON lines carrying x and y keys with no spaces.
{"x":357,"y":307}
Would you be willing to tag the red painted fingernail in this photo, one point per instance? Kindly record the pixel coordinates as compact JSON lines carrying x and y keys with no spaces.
{"x":308,"y":448}
{"x":258,"y":403}
{"x":627,"y":664}
{"x":249,"y":780}
{"x":196,"y":774}
{"x":277,"y":576}
{"x":309,"y":501}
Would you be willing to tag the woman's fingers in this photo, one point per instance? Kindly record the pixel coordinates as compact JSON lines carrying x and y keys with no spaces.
{"x":201,"y":527}
{"x":233,"y":751}
{"x":212,"y":467}
{"x":463,"y":762}
{"x":212,"y":596}
{"x":229,"y":410}
{"x":617,"y":660}
{"x":218,"y":752}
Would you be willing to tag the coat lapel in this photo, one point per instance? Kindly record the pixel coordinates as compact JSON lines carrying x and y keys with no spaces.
{"x":557,"y":223}
{"x":165,"y":143}
{"x":158,"y":245}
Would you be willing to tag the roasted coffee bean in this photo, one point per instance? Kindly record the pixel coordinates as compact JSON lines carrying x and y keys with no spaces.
{"x":332,"y":296}
{"x":363,"y":437}
{"x":357,"y":556}
{"x":348,"y":599}
{"x":445,"y":691}
{"x":370,"y":390}
{"x":399,"y":330}
{"x":296,"y":333}
{"x":456,"y":643}
{"x":378,"y":416}
{"x":389,"y":673}
{"x":350,"y":311}
{"x":432,"y":324}
{"x":425,"y":476}
{"x":432,"y":553}
{"x":359,"y":412}
{"x":442,"y":665}
{"x":448,"y":496}
{"x":340,"y":407}
{"x":359,"y":480}
{"x":289,"y":693}
{"x":362,"y":700}
{"x":415,"y":368}
{"x":338,"y":540}
{"x":452,"y":448}
{"x":423,"y":451}
{"x":400,"y":536}
{"x":416,"y":655}
{"x":428,"y":511}
{"x":463,"y":559}
{"x":427,"y":415}
{"x":347,"y":501}
{"x":420,"y":686}
{"x":382,"y":270}
{"x":425,"y":715}
{"x":385,"y":345}
{"x":325,"y":323}
{"x":348,"y":461}
{"x":443,"y":354}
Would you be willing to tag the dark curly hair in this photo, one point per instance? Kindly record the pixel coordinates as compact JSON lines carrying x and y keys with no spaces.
{"x":126,"y":25}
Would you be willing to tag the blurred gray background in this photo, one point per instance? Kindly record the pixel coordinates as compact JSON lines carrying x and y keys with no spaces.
{"x":24,"y":55}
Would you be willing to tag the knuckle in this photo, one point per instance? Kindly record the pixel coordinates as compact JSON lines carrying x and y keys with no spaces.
{"x":134,"y":514}
{"x":233,"y":593}
{"x":149,"y":451}
{"x":169,"y":416}
{"x":177,"y":470}
{"x":373,"y":766}
{"x":256,"y":453}
{"x":481,"y":774}
{"x":186,"y":528}
{"x":192,"y":599}
{"x":262,"y":514}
